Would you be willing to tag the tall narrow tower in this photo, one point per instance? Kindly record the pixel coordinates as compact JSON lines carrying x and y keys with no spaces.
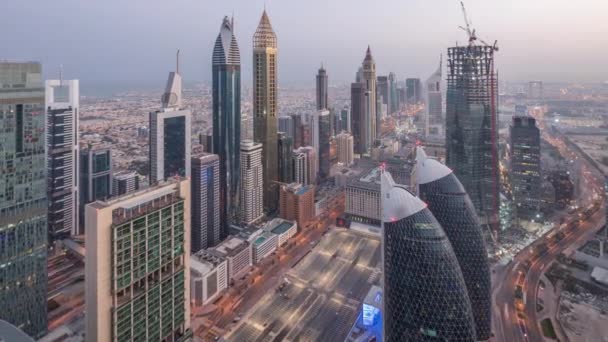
{"x":227,"y":121}
{"x":434,"y":100}
{"x":265,"y":106}
{"x":368,"y":78}
{"x":322,"y":92}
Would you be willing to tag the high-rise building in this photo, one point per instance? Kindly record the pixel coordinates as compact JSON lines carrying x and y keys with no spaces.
{"x":299,"y":167}
{"x":447,"y":199}
{"x":285,"y":148}
{"x":286,"y":126}
{"x":434,"y":100}
{"x":412,"y":90}
{"x":472,"y":126}
{"x":62,"y":106}
{"x":525,"y":170}
{"x":206,"y":225}
{"x":227,"y":119}
{"x":535,"y":90}
{"x":137,"y":272}
{"x":357,"y":112}
{"x":393,"y":94}
{"x":322,"y":89}
{"x":297,"y":203}
{"x":345,"y":148}
{"x":344,"y":120}
{"x":425,"y":296}
{"x":320,"y":128}
{"x":312,"y":164}
{"x":371,"y":116}
{"x":383,"y":92}
{"x":298,"y":130}
{"x":125,"y":183}
{"x":96,"y":175}
{"x":170,"y":134}
{"x":265,"y":106}
{"x":252,"y":182}
{"x":23,"y":202}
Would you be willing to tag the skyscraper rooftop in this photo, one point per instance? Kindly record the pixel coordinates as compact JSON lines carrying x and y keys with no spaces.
{"x":264,"y":36}
{"x":226,"y":49}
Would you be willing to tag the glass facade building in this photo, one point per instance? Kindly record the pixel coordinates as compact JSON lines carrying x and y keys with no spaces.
{"x":285,"y":160}
{"x":226,"y":89}
{"x":472,"y":126}
{"x":96,"y":176}
{"x":205,"y":201}
{"x":525,"y":172}
{"x":425,"y":296}
{"x":448,"y":201}
{"x":23,"y":198}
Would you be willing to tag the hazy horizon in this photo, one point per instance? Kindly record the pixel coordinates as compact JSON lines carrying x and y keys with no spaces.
{"x":134,"y":42}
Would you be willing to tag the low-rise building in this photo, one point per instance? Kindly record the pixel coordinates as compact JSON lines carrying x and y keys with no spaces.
{"x":297,"y":202}
{"x":284,"y":230}
{"x":208,"y":277}
{"x":238,"y":254}
{"x":263,"y":245}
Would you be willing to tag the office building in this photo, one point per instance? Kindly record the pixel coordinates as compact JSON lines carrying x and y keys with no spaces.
{"x":62,"y":109}
{"x":297,"y":203}
{"x":393,"y":94}
{"x":434,"y":100}
{"x":322,"y":89}
{"x":344,"y":120}
{"x":170,"y":134}
{"x":227,"y":119}
{"x":299,"y":167}
{"x":362,"y":197}
{"x":345,"y":148}
{"x":23,"y":200}
{"x":286,"y":126}
{"x":285,"y":149}
{"x":383,"y":93}
{"x":208,"y":277}
{"x":320,"y":129}
{"x":425,"y":295}
{"x":252,"y":182}
{"x":206,"y":141}
{"x":357,"y":113}
{"x":206,"y":224}
{"x":298,"y":130}
{"x":472,"y":126}
{"x":412,"y":90}
{"x":446,"y":198}
{"x":525,"y":170}
{"x":96,"y":176}
{"x":125,"y":182}
{"x":263,"y":243}
{"x":312,"y":165}
{"x":238,"y":253}
{"x":137,"y":267}
{"x":265,"y":106}
{"x":371,"y":117}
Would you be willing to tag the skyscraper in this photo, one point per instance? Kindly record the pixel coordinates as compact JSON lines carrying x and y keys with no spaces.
{"x":298,"y":130}
{"x":345,"y":120}
{"x":525,"y":168}
{"x":322,"y":90}
{"x":434,"y":100}
{"x":345,"y":148}
{"x":425,"y":296}
{"x":265,"y":106}
{"x":137,"y":266}
{"x":472,"y":126}
{"x":447,"y":199}
{"x":170,"y":134}
{"x":297,"y":203}
{"x":23,"y":203}
{"x":286,"y":126}
{"x":383,"y":92}
{"x":394,"y":94}
{"x":206,"y":225}
{"x":312,"y":163}
{"x":320,"y":128}
{"x":300,"y":167}
{"x":357,"y":112}
{"x":285,"y":148}
{"x":372,"y":120}
{"x":252,"y":182}
{"x":227,"y":120}
{"x":62,"y":105}
{"x":96,"y":176}
{"x":412,"y":90}
{"x":124,"y":183}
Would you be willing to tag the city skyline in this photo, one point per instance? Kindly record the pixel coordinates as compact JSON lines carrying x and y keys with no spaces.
{"x":509,"y":23}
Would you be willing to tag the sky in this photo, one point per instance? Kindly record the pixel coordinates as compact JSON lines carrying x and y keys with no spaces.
{"x":121,"y":42}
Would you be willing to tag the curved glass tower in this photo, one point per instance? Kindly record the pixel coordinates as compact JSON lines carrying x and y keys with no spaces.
{"x":452,"y":207}
{"x":425,"y":297}
{"x":227,"y":121}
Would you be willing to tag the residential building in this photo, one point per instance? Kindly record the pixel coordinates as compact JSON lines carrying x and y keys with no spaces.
{"x":23,"y":200}
{"x":252,"y":182}
{"x":425,"y":295}
{"x":312,"y":163}
{"x":62,"y":106}
{"x":208,"y":277}
{"x":137,"y":266}
{"x":345,"y":148}
{"x":300,"y":167}
{"x":282,"y":229}
{"x":447,"y":199}
{"x":95,"y":177}
{"x":525,"y":167}
{"x":472,"y":126}
{"x":322,"y":89}
{"x":125,"y":182}
{"x":265,"y":106}
{"x":227,"y":120}
{"x":206,"y":224}
{"x":297,"y":203}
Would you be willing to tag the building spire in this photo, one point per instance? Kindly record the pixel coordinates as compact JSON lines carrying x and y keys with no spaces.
{"x":177,"y":62}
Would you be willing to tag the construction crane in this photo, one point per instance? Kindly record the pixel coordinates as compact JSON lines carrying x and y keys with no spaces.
{"x":471,"y":31}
